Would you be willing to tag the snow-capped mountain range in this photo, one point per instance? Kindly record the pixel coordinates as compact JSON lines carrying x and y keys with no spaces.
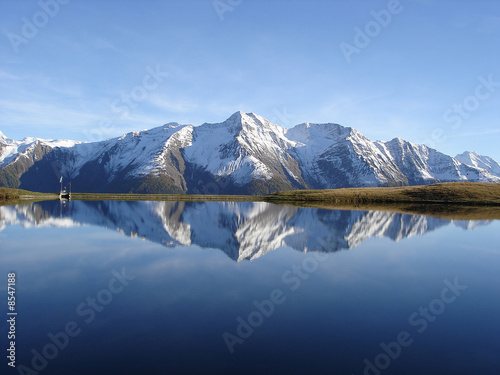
{"x":246,"y":154}
{"x":242,"y":230}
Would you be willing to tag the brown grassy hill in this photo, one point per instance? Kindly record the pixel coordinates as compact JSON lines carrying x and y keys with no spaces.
{"x":470,"y":193}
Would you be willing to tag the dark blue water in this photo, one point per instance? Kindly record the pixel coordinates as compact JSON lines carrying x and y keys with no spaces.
{"x":247,"y":288}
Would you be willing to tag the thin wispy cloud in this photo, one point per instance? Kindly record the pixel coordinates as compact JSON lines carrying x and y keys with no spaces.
{"x":476,"y":133}
{"x":41,"y":116}
{"x":7,"y":76}
{"x":173,"y":105}
{"x":101,"y":43}
{"x":93,"y":57}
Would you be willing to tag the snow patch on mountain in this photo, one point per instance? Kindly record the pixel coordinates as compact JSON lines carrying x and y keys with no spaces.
{"x":11,"y":150}
{"x":473,"y":159}
{"x":247,"y":148}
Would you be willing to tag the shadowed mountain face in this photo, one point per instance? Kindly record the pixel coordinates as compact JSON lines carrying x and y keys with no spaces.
{"x":242,"y":230}
{"x":246,"y":154}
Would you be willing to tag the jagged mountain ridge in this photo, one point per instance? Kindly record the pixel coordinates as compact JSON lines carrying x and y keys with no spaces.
{"x":479,"y":161}
{"x":246,"y":154}
{"x":242,"y":230}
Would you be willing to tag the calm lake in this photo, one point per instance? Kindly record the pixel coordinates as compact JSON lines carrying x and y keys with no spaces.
{"x":114,"y":287}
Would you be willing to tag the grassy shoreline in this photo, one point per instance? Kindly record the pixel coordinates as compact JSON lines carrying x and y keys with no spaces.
{"x":13,"y":196}
{"x":164,"y":197}
{"x":453,"y":200}
{"x":450,"y":201}
{"x":462,"y":193}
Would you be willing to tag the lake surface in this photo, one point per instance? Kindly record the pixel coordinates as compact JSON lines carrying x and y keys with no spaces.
{"x":247,"y":288}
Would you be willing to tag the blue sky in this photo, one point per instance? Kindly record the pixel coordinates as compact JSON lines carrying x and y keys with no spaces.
{"x":426,"y":71}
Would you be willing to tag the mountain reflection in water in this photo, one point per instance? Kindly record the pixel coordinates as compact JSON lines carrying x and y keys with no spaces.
{"x":242,"y":230}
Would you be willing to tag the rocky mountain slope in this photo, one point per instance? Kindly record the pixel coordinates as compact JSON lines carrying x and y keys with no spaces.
{"x":246,"y":154}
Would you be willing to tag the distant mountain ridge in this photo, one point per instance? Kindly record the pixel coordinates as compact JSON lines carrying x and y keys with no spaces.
{"x":246,"y":154}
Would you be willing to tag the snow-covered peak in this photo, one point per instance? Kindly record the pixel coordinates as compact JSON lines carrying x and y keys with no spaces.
{"x":251,"y":119}
{"x":60,"y":142}
{"x":397,"y":141}
{"x":469,"y":154}
{"x":28,"y":140}
{"x":236,"y":116}
{"x":474,"y":159}
{"x":233,"y":122}
{"x":254,"y":122}
{"x":172,"y":125}
{"x":248,"y":153}
{"x":11,"y":149}
{"x":160,"y":131}
{"x":469,"y":157}
{"x":129,"y":135}
{"x":317,"y":133}
{"x":241,"y":121}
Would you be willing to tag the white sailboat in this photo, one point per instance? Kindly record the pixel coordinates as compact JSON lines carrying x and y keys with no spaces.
{"x":64,"y":193}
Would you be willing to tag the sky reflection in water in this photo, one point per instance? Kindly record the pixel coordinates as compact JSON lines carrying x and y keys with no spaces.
{"x":189,"y":285}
